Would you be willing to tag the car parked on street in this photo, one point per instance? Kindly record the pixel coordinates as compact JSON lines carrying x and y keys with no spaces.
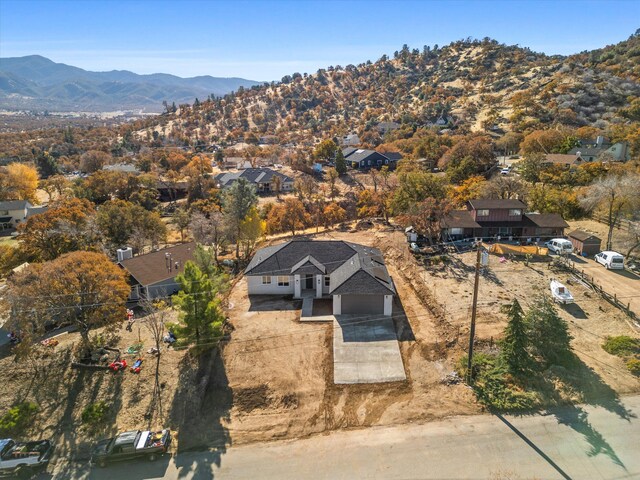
{"x":131,"y":445}
{"x":611,"y":260}
{"x":24,"y":459}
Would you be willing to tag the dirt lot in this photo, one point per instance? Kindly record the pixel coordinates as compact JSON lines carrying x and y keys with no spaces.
{"x":62,"y":392}
{"x":278,"y":373}
{"x":273,"y":378}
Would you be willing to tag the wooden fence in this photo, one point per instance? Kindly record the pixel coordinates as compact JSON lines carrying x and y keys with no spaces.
{"x":612,"y":299}
{"x":621,"y":224}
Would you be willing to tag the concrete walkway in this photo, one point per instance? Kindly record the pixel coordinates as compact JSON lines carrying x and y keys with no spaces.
{"x":365,"y":350}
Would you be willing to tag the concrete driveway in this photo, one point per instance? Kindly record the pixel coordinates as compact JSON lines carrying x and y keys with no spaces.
{"x":365,"y":350}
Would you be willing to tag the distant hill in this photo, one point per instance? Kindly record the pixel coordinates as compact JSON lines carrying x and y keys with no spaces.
{"x":476,"y":85}
{"x":37,"y":83}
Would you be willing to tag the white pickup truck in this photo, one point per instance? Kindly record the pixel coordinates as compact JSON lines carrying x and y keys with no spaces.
{"x":24,"y":459}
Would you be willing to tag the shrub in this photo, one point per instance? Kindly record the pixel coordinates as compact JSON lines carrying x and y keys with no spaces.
{"x":95,"y":413}
{"x":633,"y":364}
{"x":18,"y":418}
{"x":622,"y":346}
{"x":492,"y":385}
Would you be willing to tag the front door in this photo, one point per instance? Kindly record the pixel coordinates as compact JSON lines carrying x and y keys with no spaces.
{"x":308,"y":282}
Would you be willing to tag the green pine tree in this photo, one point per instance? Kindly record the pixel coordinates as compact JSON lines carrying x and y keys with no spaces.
{"x":548,"y":333}
{"x":199,"y":308}
{"x":341,"y":163}
{"x":515,"y":343}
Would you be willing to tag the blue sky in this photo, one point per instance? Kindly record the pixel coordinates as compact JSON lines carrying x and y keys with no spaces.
{"x":264,"y":40}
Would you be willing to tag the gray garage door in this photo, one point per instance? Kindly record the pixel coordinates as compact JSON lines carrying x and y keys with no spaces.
{"x":363,"y":304}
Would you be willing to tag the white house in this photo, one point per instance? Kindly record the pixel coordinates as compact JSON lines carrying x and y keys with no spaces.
{"x":353,"y":275}
{"x":13,"y":212}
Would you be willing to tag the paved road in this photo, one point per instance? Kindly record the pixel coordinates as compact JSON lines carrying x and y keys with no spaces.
{"x":574,"y":443}
{"x":622,"y":283}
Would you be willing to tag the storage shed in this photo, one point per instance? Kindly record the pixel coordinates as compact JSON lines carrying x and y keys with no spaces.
{"x":584,"y":243}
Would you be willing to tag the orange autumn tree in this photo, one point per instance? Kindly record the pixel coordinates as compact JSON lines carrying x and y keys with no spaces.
{"x":85,"y":289}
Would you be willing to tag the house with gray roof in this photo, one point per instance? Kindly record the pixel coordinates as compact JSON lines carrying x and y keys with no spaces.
{"x":353,"y":276}
{"x":601,"y":150}
{"x":262,"y":178}
{"x":362,"y":158}
{"x":14,"y":212}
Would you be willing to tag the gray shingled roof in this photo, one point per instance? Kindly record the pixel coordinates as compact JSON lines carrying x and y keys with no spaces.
{"x":547,"y":220}
{"x":348,"y":151}
{"x":253,"y":175}
{"x":352,"y":268}
{"x":364,"y":154}
{"x":14,"y":204}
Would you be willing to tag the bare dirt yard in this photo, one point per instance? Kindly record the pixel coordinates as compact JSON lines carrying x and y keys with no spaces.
{"x":271,"y":378}
{"x":62,"y":392}
{"x":276,"y":373}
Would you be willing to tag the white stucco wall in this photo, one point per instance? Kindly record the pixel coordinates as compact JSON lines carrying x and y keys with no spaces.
{"x":255,"y":286}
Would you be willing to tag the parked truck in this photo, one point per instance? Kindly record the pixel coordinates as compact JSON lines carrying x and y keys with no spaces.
{"x":24,"y":459}
{"x":131,"y":445}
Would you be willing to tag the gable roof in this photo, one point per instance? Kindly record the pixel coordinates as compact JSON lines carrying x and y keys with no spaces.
{"x":252,"y":175}
{"x":562,"y":158}
{"x":152,"y":268}
{"x":547,"y":220}
{"x":364,"y":154}
{"x":482,"y":203}
{"x":393,"y":156}
{"x":348,"y":151}
{"x":14,"y":204}
{"x":459,"y":219}
{"x":583,"y":236}
{"x":338,"y":259}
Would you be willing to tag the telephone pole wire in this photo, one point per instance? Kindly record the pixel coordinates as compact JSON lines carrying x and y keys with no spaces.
{"x":472,"y":331}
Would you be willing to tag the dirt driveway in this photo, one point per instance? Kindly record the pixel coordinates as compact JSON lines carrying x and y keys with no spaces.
{"x":622,"y":283}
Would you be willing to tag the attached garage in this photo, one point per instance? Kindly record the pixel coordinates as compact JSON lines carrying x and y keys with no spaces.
{"x":363,"y":304}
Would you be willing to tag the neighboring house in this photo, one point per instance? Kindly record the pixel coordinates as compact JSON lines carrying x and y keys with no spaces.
{"x":504,"y":218}
{"x":153,"y":275}
{"x":584,"y":243}
{"x":354,"y":276}
{"x":362,"y":159}
{"x":349,"y":140}
{"x":171,"y":191}
{"x":564,"y":159}
{"x":262,"y":178}
{"x":601,"y":149}
{"x":14,"y":212}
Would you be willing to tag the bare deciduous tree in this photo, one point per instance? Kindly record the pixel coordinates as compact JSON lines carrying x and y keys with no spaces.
{"x":614,"y":195}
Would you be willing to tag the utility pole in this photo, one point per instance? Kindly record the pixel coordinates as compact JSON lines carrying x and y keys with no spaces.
{"x":472,"y":331}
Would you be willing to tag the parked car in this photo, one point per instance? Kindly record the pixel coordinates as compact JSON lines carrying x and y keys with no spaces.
{"x":611,"y":260}
{"x":559,"y":246}
{"x":505,"y":171}
{"x":131,"y":445}
{"x":414,"y":247}
{"x":24,"y":459}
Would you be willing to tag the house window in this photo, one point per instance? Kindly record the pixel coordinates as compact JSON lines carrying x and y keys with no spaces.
{"x":266,"y":280}
{"x":327,"y":280}
{"x":283,"y":281}
{"x":483,"y":213}
{"x":515,"y":212}
{"x":457,"y":231}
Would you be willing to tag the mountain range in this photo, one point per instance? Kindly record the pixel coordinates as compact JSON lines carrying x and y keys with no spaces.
{"x":37,"y":83}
